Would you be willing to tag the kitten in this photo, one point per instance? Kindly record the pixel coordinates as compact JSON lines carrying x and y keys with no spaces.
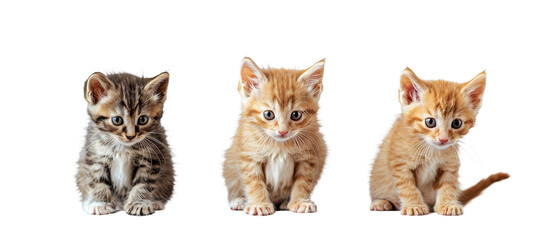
{"x":278,"y":153}
{"x":417,"y":166}
{"x":126,"y":162}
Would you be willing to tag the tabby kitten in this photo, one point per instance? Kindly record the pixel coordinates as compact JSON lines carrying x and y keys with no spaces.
{"x":417,"y":166}
{"x":126,"y":162}
{"x":278,"y":153}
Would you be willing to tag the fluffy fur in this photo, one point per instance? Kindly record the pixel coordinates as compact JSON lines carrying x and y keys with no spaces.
{"x":275,"y":163}
{"x":417,"y":166}
{"x":126,"y":162}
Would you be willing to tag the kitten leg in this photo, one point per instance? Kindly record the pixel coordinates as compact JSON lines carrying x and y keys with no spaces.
{"x":381,"y":205}
{"x":94,"y":182}
{"x":410,"y":196}
{"x":234,"y":185}
{"x":255,"y":189}
{"x":447,"y":195}
{"x":302,"y":188}
{"x":145,"y":176}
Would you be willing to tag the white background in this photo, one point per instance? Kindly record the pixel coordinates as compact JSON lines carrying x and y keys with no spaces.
{"x":48,"y":49}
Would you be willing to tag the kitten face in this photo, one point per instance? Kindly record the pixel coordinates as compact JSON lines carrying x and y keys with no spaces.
{"x":126,"y":123}
{"x":440,"y":112}
{"x":125,"y":108}
{"x":282,"y":117}
{"x":281,"y":103}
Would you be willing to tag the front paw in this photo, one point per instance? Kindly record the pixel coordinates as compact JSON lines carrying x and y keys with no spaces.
{"x":140,"y":207}
{"x":449,"y":209}
{"x":381,"y":205}
{"x":302,"y":206}
{"x":237,"y":203}
{"x":99,"y":208}
{"x":260,"y":209}
{"x":415,"y":209}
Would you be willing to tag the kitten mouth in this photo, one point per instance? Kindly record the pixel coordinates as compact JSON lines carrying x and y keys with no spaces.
{"x":280,"y":138}
{"x":440,"y":145}
{"x":131,"y":142}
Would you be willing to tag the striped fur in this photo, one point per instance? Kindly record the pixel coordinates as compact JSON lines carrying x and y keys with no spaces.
{"x":263,"y":169}
{"x":415,"y":170}
{"x":114,"y":171}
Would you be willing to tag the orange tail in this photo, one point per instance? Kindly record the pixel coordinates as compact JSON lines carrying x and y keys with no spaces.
{"x":475,"y":190}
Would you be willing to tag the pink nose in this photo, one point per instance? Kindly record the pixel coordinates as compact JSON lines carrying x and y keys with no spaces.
{"x":282,"y":133}
{"x":443,"y":140}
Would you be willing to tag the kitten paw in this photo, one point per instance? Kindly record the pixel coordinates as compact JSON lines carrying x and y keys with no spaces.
{"x":415,"y":210}
{"x":450,"y":209}
{"x":381,"y":205}
{"x":99,"y":208}
{"x":140,"y":208}
{"x":260,"y":209}
{"x":302,"y":206}
{"x":237,"y":204}
{"x":158,"y":205}
{"x":283,"y":205}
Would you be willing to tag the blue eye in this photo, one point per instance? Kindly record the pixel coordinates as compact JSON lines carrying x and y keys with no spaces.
{"x":117,"y":121}
{"x":142,"y":120}
{"x":430,"y":122}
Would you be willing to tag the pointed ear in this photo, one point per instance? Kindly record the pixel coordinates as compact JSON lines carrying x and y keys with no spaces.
{"x":251,"y":77}
{"x":157,"y":86}
{"x":312,"y":78}
{"x":473,"y":90}
{"x":96,"y":87}
{"x":411,"y":88}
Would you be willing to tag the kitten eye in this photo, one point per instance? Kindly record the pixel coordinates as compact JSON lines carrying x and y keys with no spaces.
{"x":430,"y":122}
{"x":296,"y":115}
{"x":142,"y":120}
{"x":117,"y":121}
{"x":457,"y":123}
{"x":268,"y":114}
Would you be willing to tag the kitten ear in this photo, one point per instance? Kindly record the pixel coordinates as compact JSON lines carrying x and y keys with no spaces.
{"x":96,"y":87}
{"x":312,"y":77}
{"x":157,"y":86}
{"x":411,"y":88}
{"x":251,"y":77}
{"x":473,"y":90}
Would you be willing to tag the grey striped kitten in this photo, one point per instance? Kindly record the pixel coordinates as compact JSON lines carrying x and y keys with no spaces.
{"x":126,"y":162}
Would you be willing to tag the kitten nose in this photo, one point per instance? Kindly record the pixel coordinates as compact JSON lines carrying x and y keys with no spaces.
{"x":130,"y":137}
{"x":282,"y":133}
{"x":443,"y":140}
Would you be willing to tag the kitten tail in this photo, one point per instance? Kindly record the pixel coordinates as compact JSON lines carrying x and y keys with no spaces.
{"x":475,"y":190}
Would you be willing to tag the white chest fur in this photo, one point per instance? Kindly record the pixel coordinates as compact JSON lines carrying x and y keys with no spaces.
{"x":427,"y":173}
{"x":121,"y":168}
{"x":279,"y":171}
{"x":426,"y":176}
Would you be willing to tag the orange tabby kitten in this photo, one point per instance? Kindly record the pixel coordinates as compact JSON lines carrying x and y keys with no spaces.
{"x":278,"y":153}
{"x":417,"y":166}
